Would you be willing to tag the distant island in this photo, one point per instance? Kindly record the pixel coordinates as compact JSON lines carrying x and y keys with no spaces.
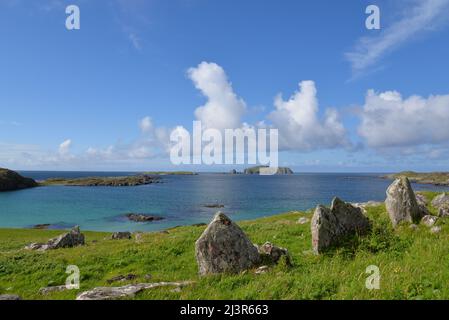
{"x":435,"y":178}
{"x":103,"y":181}
{"x":11,"y":180}
{"x":256,"y":170}
{"x":170,"y":173}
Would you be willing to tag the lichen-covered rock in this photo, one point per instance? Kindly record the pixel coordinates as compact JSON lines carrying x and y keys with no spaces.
{"x":401,"y":203}
{"x":121,"y":235}
{"x":67,"y":240}
{"x":11,"y":180}
{"x":330,"y":226}
{"x":129,"y":291}
{"x":272,"y":254}
{"x":224,"y":248}
{"x":429,"y":220}
{"x":441,"y":200}
{"x":443,"y":211}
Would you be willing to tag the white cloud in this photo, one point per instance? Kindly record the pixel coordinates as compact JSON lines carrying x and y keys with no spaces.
{"x":146,"y":125}
{"x":419,"y":16}
{"x":300,"y":127}
{"x":64,"y":147}
{"x":388,"y":120}
{"x":223,"y":109}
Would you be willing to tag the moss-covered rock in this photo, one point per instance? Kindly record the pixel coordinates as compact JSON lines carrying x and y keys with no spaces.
{"x":11,"y":180}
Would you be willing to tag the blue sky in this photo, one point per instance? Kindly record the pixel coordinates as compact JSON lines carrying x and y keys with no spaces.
{"x":106,"y":96}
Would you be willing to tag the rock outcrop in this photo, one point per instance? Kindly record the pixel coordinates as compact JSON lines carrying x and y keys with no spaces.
{"x":121,"y":235}
{"x":401,"y":203}
{"x":330,"y":226}
{"x":441,"y":200}
{"x":272,"y":254}
{"x":11,"y":180}
{"x":224,"y":248}
{"x":140,"y":217}
{"x":129,"y":291}
{"x":429,"y":220}
{"x":67,"y":240}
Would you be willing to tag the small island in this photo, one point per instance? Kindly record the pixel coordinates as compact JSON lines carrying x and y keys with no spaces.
{"x":11,"y":180}
{"x":435,"y":178}
{"x":129,"y":181}
{"x":280,"y":170}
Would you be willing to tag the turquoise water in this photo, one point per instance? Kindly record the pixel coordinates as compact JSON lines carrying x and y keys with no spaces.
{"x":181,"y":199}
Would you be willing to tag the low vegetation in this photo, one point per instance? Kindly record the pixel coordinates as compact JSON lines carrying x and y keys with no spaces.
{"x":435,"y":178}
{"x":102,"y":181}
{"x":412,"y":263}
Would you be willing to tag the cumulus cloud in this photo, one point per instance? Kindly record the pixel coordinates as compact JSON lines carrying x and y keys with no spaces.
{"x":299,"y":124}
{"x":388,"y":120}
{"x":64,"y":147}
{"x":418,"y":17}
{"x":223,"y":109}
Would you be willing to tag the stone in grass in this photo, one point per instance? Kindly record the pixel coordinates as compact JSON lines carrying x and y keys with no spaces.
{"x":440,"y":200}
{"x":67,"y":240}
{"x":9,"y":297}
{"x":48,"y":290}
{"x":121,"y":235}
{"x":262,"y":270}
{"x":330,"y":226}
{"x":429,"y":220}
{"x":443,"y":211}
{"x":272,"y":254}
{"x":436,"y":229}
{"x":224,"y":248}
{"x":401,"y":203}
{"x":303,"y":220}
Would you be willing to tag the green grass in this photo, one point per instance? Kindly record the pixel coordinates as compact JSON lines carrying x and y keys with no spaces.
{"x":413,"y":264}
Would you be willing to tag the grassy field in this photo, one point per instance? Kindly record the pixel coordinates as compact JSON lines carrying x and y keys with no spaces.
{"x":413,"y":264}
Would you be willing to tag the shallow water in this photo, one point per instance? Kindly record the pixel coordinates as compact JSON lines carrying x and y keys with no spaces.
{"x":181,"y":199}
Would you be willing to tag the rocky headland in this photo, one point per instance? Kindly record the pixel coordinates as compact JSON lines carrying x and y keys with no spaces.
{"x":11,"y":180}
{"x":435,"y":178}
{"x":128,"y":181}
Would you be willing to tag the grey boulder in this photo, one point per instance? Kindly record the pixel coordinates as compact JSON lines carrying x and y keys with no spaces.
{"x":272,"y":254}
{"x":67,"y":240}
{"x":401,"y":203}
{"x":121,"y":235}
{"x":429,"y":220}
{"x":330,"y":226}
{"x":224,"y":248}
{"x":441,"y":200}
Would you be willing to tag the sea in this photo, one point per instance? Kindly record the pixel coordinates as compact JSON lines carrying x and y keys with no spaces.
{"x":182,"y":200}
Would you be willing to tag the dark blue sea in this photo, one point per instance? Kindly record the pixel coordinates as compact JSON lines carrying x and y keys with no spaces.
{"x":181,"y":200}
